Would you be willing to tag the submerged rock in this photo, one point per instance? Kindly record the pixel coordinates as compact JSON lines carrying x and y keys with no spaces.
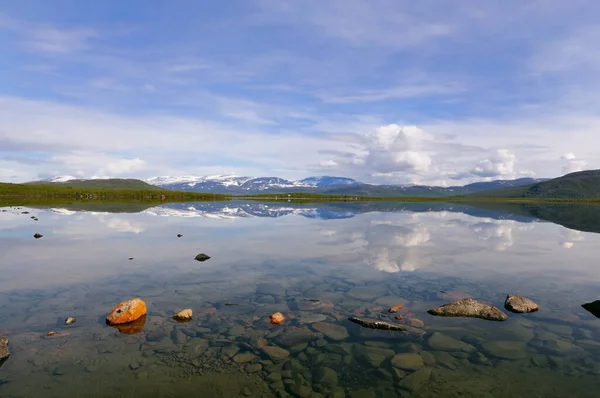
{"x":331,"y":330}
{"x":519,"y":304}
{"x":593,"y":308}
{"x":371,"y":324}
{"x":441,"y":342}
{"x":277,"y":318}
{"x":275,"y":353}
{"x":471,"y":309}
{"x":4,"y":351}
{"x":70,"y":320}
{"x":372,"y":356}
{"x":183,"y":315}
{"x":396,"y":308}
{"x":408,"y":361}
{"x":272,"y":289}
{"x":415,"y":381}
{"x":127,"y":311}
{"x":201,"y":257}
{"x":506,"y":349}
{"x":37,"y":235}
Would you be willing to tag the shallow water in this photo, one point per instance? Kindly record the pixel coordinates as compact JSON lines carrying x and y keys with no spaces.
{"x":319,"y":265}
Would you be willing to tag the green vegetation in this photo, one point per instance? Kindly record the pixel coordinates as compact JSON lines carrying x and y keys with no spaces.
{"x":25,"y":194}
{"x":109,"y":183}
{"x":580,"y":186}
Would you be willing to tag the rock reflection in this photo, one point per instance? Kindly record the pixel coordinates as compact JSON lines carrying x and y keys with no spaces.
{"x":132,"y":327}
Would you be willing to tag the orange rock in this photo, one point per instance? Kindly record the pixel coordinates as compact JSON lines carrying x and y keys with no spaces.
{"x":396,"y":308}
{"x":398,"y":317}
{"x":277,"y":318}
{"x":132,"y":327}
{"x":127,"y":311}
{"x":183,"y":315}
{"x":416,"y":323}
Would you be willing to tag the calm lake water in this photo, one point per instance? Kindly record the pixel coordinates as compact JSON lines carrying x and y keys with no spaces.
{"x":317,"y":264}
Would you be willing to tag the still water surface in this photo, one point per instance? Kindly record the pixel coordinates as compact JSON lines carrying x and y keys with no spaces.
{"x":319,"y":265}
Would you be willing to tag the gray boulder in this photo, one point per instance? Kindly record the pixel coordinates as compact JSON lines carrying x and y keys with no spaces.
{"x":471,"y":309}
{"x":519,"y":304}
{"x":4,"y":351}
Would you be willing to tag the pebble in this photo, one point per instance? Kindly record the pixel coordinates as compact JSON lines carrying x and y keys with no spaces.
{"x":246,"y":392}
{"x":396,"y":308}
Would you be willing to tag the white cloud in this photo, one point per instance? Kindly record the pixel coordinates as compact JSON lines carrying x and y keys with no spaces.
{"x":502,"y":164}
{"x":391,"y":149}
{"x":572,"y":164}
{"x":47,"y":38}
{"x":328,"y":163}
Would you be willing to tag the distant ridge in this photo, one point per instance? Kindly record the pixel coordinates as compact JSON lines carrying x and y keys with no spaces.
{"x":578,"y":185}
{"x":108,"y":183}
{"x":233,"y":185}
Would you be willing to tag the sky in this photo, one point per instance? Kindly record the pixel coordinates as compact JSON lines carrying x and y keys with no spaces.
{"x":384,"y":91}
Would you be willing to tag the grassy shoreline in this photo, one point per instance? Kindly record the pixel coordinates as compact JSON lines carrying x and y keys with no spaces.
{"x":23,"y":194}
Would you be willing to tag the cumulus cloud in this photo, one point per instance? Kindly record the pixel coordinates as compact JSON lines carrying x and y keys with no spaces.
{"x":572,"y":164}
{"x":502,"y":164}
{"x":392,"y":149}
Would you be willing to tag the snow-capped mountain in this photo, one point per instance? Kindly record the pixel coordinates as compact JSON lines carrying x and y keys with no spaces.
{"x":246,"y":185}
{"x":327,"y":181}
{"x":59,"y":179}
{"x":229,"y":211}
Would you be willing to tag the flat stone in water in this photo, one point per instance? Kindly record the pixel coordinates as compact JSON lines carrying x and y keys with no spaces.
{"x":441,"y":342}
{"x":244,"y":357}
{"x":519,"y":304}
{"x":202,"y":257}
{"x":294,"y":337}
{"x":327,"y":377}
{"x":275,"y":353}
{"x":366,"y":293}
{"x":471,"y":309}
{"x":371,"y":355}
{"x":331,"y":330}
{"x":253,"y":368}
{"x":408,"y":361}
{"x":506,"y":349}
{"x":4,"y":351}
{"x":305,"y":317}
{"x":415,"y":381}
{"x":272,"y":289}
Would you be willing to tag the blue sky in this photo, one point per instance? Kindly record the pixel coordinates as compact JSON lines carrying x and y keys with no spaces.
{"x":384,"y":91}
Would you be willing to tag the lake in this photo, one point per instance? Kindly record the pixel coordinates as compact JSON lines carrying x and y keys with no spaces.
{"x":318,"y":264}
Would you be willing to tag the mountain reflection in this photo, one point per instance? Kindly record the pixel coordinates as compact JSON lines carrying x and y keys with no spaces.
{"x":359,"y":238}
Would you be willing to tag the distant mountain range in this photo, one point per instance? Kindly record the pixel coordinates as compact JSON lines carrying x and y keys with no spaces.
{"x":234,"y":185}
{"x":324,"y":185}
{"x":579,"y":185}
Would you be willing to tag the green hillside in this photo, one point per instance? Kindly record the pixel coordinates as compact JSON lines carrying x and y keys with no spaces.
{"x":582,"y":185}
{"x":109,"y":183}
{"x":58,"y":192}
